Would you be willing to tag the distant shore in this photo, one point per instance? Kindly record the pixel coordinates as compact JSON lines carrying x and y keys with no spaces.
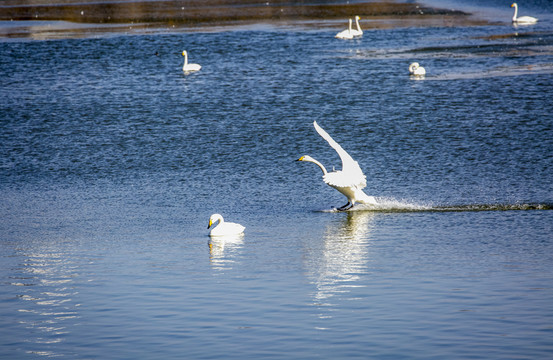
{"x":199,"y":14}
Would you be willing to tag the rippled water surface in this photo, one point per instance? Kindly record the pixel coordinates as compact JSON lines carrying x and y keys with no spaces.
{"x":112,"y":161}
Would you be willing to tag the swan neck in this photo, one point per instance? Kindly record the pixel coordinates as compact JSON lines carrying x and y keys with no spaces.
{"x":516,"y":13}
{"x":357,"y":23}
{"x":319,"y":165}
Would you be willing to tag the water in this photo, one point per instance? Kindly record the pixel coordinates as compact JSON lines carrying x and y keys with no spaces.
{"x":113,"y":160}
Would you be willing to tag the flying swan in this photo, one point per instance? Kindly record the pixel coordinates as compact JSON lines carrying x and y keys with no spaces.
{"x":223,"y":228}
{"x":345,"y":34}
{"x":358,"y":31}
{"x":416,"y":69}
{"x":189,"y":67}
{"x":522,"y":19}
{"x":349,"y":181}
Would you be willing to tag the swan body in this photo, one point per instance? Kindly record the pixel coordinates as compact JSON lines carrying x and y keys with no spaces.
{"x":416,"y":69}
{"x":189,"y":67}
{"x":349,"y":181}
{"x":522,"y":19}
{"x":224,"y":228}
{"x":358,"y":31}
{"x":345,"y":34}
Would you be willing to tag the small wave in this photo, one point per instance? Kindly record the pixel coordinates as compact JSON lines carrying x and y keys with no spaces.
{"x":497,"y":72}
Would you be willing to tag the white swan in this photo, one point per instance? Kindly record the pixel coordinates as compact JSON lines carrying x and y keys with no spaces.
{"x":189,"y":67}
{"x":345,"y":34}
{"x":223,"y":228}
{"x":416,"y":69}
{"x":358,"y":31}
{"x":350,"y":180}
{"x":522,"y":19}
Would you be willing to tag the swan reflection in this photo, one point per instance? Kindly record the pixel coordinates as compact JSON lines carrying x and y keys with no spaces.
{"x":336,"y":265}
{"x":220,"y":245}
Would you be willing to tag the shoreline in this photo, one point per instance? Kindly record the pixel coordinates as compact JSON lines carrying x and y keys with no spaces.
{"x":62,"y":19}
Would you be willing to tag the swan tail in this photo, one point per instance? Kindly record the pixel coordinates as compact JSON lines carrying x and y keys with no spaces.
{"x":365,"y":199}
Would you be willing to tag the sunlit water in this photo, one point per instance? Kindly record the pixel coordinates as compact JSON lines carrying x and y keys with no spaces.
{"x":112,"y":161}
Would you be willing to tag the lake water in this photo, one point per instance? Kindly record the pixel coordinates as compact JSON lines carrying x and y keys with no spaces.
{"x":112,"y":161}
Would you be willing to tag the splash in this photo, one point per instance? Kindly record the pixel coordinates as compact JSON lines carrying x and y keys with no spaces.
{"x":388,"y":205}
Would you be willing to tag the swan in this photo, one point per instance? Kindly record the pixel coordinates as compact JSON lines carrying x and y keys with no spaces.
{"x":357,"y":32}
{"x":522,"y":19}
{"x":345,"y":34}
{"x":223,"y":228}
{"x":416,"y":69}
{"x":189,"y":67}
{"x":349,"y":181}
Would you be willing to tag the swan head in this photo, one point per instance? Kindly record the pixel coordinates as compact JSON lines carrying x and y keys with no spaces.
{"x":416,"y":69}
{"x":214,"y":218}
{"x":357,"y":17}
{"x":514,"y":5}
{"x":310,"y":159}
{"x":306,"y":158}
{"x":184,"y":53}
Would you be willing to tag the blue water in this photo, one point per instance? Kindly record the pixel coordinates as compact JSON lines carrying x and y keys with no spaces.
{"x":112,"y":161}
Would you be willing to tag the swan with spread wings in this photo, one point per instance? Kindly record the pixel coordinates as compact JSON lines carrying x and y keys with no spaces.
{"x":349,"y":181}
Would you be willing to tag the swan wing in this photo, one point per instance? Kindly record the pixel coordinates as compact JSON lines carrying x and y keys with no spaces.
{"x":351,"y":174}
{"x":342,"y":182}
{"x":191,"y":67}
{"x":527,"y":19}
{"x":227,"y":228}
{"x":345,"y":34}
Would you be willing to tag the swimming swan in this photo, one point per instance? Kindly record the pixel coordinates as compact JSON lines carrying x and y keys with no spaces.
{"x":223,"y":228}
{"x":345,"y":34}
{"x":189,"y":67}
{"x":349,"y":181}
{"x":416,"y":69}
{"x":522,"y":19}
{"x":357,"y":32}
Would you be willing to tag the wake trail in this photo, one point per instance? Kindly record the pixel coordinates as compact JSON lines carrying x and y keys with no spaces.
{"x":395,"y":205}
